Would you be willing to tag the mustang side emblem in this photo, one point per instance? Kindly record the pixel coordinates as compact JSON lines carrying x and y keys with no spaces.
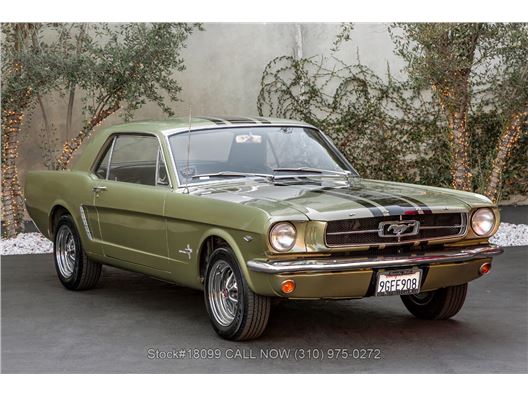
{"x":398,"y":228}
{"x":187,"y":251}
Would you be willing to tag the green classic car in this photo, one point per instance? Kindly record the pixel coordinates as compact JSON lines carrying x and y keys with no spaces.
{"x":251,"y":209}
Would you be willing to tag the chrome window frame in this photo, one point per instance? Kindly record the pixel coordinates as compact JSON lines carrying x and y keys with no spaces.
{"x":107,"y":147}
{"x":113,"y":137}
{"x":110,"y":157}
{"x":160,"y":150}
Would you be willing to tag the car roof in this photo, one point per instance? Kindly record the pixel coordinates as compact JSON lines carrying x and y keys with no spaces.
{"x":179,"y":124}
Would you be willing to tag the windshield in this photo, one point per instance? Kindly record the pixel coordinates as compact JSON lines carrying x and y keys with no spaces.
{"x":235,"y":152}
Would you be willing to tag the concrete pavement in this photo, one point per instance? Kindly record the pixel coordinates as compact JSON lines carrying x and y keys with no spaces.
{"x":132,"y":323}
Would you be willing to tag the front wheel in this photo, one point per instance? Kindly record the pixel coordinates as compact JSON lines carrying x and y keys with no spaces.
{"x":236,"y":313}
{"x":438,"y":304}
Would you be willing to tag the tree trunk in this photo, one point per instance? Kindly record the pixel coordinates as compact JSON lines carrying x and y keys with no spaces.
{"x":460,"y":169}
{"x":456,"y":114}
{"x":69,"y":111}
{"x":73,"y":144}
{"x":12,"y":204}
{"x":453,"y":87}
{"x":46,"y":146}
{"x":506,"y":143}
{"x":71,"y":99}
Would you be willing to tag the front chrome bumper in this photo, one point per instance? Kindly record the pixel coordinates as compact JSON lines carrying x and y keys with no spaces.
{"x":359,"y":263}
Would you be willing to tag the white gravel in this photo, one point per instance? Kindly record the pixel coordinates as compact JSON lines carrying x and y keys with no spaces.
{"x":29,"y":243}
{"x":35,"y":243}
{"x":511,"y":235}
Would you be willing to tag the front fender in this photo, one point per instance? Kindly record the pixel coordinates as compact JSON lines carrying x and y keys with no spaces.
{"x":244,"y":250}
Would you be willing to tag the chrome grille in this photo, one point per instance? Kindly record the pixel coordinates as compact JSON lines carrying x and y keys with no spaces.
{"x":366,"y":231}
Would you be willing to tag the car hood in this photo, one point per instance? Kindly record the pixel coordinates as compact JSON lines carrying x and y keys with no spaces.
{"x":330,"y":199}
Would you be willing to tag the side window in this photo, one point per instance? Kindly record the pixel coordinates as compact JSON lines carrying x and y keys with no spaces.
{"x":101,"y":171}
{"x":134,"y":159}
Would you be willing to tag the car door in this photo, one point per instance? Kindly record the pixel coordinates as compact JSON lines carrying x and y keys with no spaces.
{"x":129,"y":200}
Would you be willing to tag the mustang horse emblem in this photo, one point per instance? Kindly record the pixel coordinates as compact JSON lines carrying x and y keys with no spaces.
{"x":409,"y":227}
{"x":398,"y":229}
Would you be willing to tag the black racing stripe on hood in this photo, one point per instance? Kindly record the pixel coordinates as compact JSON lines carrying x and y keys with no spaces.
{"x":425,"y":208}
{"x":390,"y":200}
{"x":376,"y":212}
{"x":262,"y":120}
{"x":239,"y":120}
{"x":217,"y":121}
{"x":393,"y":204}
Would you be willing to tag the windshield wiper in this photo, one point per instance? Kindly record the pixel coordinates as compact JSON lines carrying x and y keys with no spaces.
{"x":272,"y":177}
{"x":230,"y":174}
{"x":313,"y":170}
{"x":347,"y":175}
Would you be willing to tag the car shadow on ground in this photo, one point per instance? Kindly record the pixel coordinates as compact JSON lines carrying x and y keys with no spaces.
{"x":369,"y":318}
{"x":382,"y":323}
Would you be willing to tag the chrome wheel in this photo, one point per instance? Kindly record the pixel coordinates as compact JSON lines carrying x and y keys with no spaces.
{"x":65,"y":251}
{"x":222,"y":292}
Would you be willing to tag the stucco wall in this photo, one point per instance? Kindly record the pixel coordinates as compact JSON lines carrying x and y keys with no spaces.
{"x":224,"y":68}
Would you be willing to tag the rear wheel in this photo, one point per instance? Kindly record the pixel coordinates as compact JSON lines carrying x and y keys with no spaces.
{"x":438,"y":304}
{"x":74,"y":269}
{"x":236,"y":313}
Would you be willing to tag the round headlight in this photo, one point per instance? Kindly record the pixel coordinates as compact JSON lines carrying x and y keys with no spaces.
{"x":483,"y":221}
{"x":282,"y":236}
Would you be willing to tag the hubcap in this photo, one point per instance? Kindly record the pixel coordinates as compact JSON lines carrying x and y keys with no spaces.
{"x":222,"y":292}
{"x":65,"y":251}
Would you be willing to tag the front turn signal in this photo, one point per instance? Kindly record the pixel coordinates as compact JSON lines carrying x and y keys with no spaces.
{"x":485,"y":268}
{"x":288,"y":286}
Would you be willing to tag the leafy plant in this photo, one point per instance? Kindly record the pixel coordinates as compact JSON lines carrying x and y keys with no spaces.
{"x":23,"y":80}
{"x":383,"y":127}
{"x":459,"y":119}
{"x":107,"y":67}
{"x":472,"y":69}
{"x":118,"y":67}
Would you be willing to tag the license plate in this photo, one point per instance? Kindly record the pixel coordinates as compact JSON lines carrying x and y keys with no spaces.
{"x":390,"y":283}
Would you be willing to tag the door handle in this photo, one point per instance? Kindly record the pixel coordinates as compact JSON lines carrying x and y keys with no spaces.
{"x":98,"y":189}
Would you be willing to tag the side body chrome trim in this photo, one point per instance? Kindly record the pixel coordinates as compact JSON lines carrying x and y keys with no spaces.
{"x":352,"y":263}
{"x":85,"y":223}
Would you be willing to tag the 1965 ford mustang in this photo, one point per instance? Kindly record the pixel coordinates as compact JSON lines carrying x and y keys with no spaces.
{"x":249,"y":209}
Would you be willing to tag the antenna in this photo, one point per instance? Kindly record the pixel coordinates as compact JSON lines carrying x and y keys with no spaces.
{"x":187,"y":171}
